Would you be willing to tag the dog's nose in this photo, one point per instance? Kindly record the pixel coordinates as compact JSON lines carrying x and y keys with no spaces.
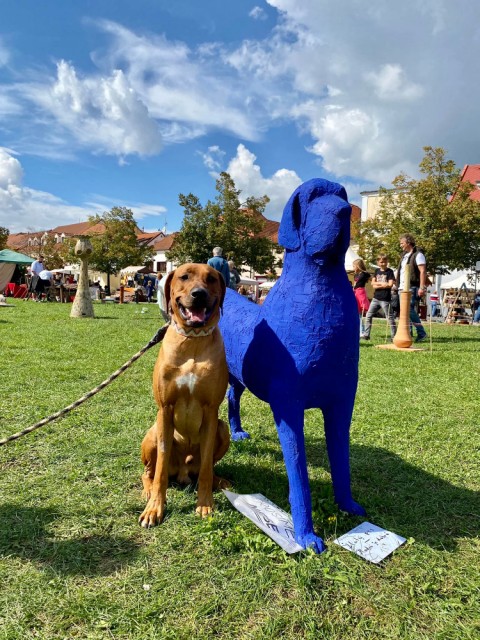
{"x":199,"y":294}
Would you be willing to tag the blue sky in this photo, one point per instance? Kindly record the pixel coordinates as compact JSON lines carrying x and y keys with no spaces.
{"x":108,"y":102}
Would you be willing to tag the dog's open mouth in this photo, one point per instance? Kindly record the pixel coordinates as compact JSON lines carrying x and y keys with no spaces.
{"x":194,"y":317}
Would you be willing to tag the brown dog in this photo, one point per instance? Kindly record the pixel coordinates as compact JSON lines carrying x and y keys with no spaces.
{"x":189,"y":383}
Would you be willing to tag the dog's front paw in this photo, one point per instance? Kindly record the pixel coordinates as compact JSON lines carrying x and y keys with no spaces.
{"x":152,"y":515}
{"x":204,"y":512}
{"x":352,"y":507}
{"x":311,"y":541}
{"x":239,"y":435}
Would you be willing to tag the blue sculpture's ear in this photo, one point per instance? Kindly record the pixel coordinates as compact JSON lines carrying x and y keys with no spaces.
{"x":288,"y":232}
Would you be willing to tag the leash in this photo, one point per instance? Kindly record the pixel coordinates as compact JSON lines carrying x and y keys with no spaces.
{"x":158,"y":337}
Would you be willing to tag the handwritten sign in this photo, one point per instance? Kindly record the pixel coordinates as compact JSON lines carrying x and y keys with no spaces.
{"x":275,"y":522}
{"x":370,"y":542}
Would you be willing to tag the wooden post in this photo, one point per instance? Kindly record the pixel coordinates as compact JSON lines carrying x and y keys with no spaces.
{"x":403,"y":338}
{"x":82,"y":305}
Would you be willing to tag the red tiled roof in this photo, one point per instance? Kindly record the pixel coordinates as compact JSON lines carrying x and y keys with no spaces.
{"x":148,"y":236}
{"x":471,"y":173}
{"x":270,"y":227}
{"x":72,"y":229}
{"x":165,"y":243}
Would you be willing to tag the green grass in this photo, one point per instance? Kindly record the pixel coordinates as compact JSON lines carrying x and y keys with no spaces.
{"x":75,"y":564}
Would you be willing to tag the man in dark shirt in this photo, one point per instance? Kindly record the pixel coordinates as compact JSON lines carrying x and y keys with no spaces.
{"x":219,"y":263}
{"x":382,"y":283}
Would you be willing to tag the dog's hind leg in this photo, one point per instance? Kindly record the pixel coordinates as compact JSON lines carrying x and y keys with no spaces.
{"x":337,"y":417}
{"x":289,"y":421}
{"x":234,"y":394}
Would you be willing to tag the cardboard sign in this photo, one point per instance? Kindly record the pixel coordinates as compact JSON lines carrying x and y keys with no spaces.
{"x":370,"y":542}
{"x":275,"y":522}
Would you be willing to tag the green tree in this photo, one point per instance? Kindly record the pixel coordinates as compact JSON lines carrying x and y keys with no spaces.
{"x":4,"y":233}
{"x":56,"y":254}
{"x":225,"y":222}
{"x":117,"y":247}
{"x":446,"y":228}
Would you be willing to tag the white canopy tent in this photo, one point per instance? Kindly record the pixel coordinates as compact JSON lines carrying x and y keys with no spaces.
{"x":133,"y":270}
{"x":350,"y":257}
{"x":265,"y":286}
{"x":456,"y":279}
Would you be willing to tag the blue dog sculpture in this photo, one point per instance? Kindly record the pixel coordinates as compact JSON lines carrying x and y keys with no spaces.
{"x":299,"y":350}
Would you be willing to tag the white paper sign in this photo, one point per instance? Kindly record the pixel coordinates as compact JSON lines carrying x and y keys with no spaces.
{"x":370,"y":542}
{"x":275,"y":522}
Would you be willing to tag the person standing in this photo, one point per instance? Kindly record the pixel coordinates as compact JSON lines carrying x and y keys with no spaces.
{"x":234,"y":275}
{"x":360,"y":279}
{"x":219,"y":263}
{"x":415,"y":259}
{"x":35,"y":269}
{"x":434,"y":299}
{"x":44,"y":282}
{"x":382,"y":283}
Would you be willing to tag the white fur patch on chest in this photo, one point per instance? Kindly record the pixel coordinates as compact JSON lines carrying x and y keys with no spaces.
{"x":188,"y":380}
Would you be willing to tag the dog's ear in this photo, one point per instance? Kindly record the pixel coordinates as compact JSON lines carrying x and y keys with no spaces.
{"x":288,"y":232}
{"x":166,"y":289}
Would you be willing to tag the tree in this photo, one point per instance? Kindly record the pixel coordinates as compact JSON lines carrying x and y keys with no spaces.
{"x":117,"y":247}
{"x":446,"y":228}
{"x":227,"y":223}
{"x":4,"y":233}
{"x":56,"y":255}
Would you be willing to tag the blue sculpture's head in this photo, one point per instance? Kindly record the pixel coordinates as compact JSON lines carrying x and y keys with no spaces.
{"x":317,"y":219}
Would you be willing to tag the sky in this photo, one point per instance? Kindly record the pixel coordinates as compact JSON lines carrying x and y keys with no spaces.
{"x":109,"y":103}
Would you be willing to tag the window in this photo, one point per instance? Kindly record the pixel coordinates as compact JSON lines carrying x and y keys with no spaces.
{"x":162,"y":267}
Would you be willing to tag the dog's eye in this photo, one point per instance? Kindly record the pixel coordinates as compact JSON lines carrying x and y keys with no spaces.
{"x":184,"y":277}
{"x":211,"y":279}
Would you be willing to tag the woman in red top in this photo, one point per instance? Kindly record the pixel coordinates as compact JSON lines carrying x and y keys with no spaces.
{"x":361,"y":277}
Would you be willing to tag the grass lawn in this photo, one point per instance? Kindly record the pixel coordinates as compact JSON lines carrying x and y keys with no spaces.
{"x":75,"y":564}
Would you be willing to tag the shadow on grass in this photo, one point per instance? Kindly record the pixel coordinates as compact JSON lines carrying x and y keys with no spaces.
{"x":24,"y":534}
{"x":411,"y":501}
{"x":397,"y":495}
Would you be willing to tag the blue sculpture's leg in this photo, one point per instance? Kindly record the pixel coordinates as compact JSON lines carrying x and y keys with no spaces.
{"x":337,"y":418}
{"x":289,"y":421}
{"x":234,"y":394}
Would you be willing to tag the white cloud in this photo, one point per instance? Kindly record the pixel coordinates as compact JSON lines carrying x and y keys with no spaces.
{"x":213,"y":158}
{"x":185,"y":87}
{"x":141,"y":210}
{"x":390,"y":83}
{"x":257,"y":13}
{"x":248,"y":177}
{"x":23,"y":208}
{"x":101,"y":113}
{"x":11,"y":172}
{"x":369,"y":83}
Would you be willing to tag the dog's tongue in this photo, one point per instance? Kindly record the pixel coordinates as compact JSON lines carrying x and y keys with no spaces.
{"x":196,"y":315}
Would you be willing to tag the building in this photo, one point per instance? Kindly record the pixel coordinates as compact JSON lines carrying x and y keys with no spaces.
{"x":31,"y":243}
{"x":471,"y":173}
{"x":161,"y":245}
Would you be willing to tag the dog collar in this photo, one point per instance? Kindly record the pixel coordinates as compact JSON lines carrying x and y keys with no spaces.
{"x":193,"y":332}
